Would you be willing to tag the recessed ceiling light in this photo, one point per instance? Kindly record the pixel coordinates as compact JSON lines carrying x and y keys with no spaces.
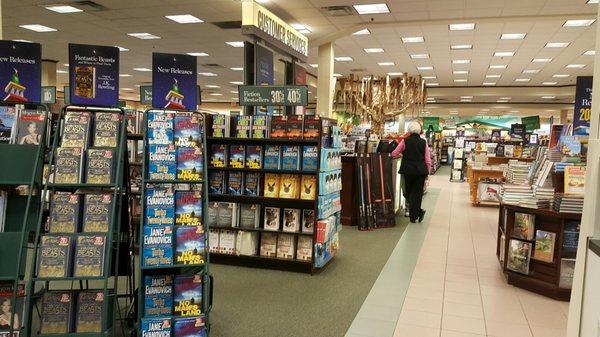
{"x":505,"y":98}
{"x":61,"y":71}
{"x":428,"y":77}
{"x":395,"y":74}
{"x":365,"y":31}
{"x":216,"y":94}
{"x":126,"y":89}
{"x":374,"y":50}
{"x":65,"y":64}
{"x":124,"y":75}
{"x":301,"y":28}
{"x":122,"y":48}
{"x":466,"y":97}
{"x":531,"y":71}
{"x":590,"y":53}
{"x":460,"y":72}
{"x":386,"y":64}
{"x":63,"y":9}
{"x":460,"y":80}
{"x":549,"y":83}
{"x":579,"y":23}
{"x":489,"y":83}
{"x":237,"y":68}
{"x":575,"y":66}
{"x":522,"y":80}
{"x":21,"y":40}
{"x":235,"y":92}
{"x":419,"y":56}
{"x":211,"y":86}
{"x":556,"y":44}
{"x":433,"y":84}
{"x":512,"y":36}
{"x":548,"y":97}
{"x":560,"y":75}
{"x":144,"y":36}
{"x":38,"y":28}
{"x":371,"y":9}
{"x":461,"y":61}
{"x":425,"y":68}
{"x":454,"y":112}
{"x":198,"y":54}
{"x":412,"y":39}
{"x":461,"y":26}
{"x":492,"y":76}
{"x":465,"y":100}
{"x":461,"y":46}
{"x":498,"y":66}
{"x":236,"y":82}
{"x":314,"y":65}
{"x":184,"y":18}
{"x":207,"y":74}
{"x":236,"y":44}
{"x":541,"y":60}
{"x":504,"y":53}
{"x":590,"y":2}
{"x":142,"y":69}
{"x":344,"y":59}
{"x":338,"y":75}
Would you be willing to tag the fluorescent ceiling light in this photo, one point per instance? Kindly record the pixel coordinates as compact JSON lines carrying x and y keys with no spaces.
{"x":548,"y":97}
{"x":372,"y":9}
{"x":575,"y":66}
{"x":461,"y":26}
{"x":522,"y":80}
{"x":126,"y":89}
{"x":465,"y":100}
{"x":198,"y":54}
{"x":207,"y":74}
{"x":373,"y":50}
{"x":20,"y":40}
{"x":236,"y":44}
{"x":386,"y":64}
{"x":142,"y":69}
{"x":65,"y":64}
{"x":461,"y":61}
{"x":419,"y":56}
{"x":461,"y":46}
{"x":365,"y":31}
{"x":63,"y":9}
{"x":412,"y":39}
{"x":366,"y":78}
{"x":579,"y":23}
{"x":492,"y":76}
{"x":460,"y":80}
{"x":61,"y":71}
{"x":212,"y":86}
{"x":216,"y":94}
{"x":344,"y":59}
{"x":556,"y":44}
{"x":505,"y":98}
{"x":314,"y":65}
{"x":429,"y":77}
{"x":38,"y":28}
{"x":395,"y":74}
{"x":498,"y":66}
{"x":122,"y":48}
{"x":504,"y":53}
{"x":425,"y":68}
{"x":235,"y":92}
{"x":541,"y":60}
{"x":144,"y":36}
{"x":338,"y":75}
{"x":460,"y":72}
{"x":237,"y":68}
{"x":184,"y":18}
{"x":560,"y":75}
{"x":489,"y":83}
{"x":236,"y":82}
{"x":454,"y":112}
{"x":301,"y":28}
{"x":512,"y":36}
{"x":531,"y":71}
{"x":433,"y":84}
{"x":549,"y":83}
{"x":590,"y":53}
{"x":124,"y":75}
{"x":466,"y":97}
{"x":591,"y":2}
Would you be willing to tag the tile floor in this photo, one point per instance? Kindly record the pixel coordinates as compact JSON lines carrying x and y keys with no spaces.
{"x":457,"y":288}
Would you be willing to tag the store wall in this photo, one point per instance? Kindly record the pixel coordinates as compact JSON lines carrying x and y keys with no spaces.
{"x":590,"y":317}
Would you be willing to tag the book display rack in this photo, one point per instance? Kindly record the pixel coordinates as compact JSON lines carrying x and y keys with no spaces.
{"x":274,"y":191}
{"x":457,"y":173}
{"x":174,"y":285}
{"x":76,"y":250}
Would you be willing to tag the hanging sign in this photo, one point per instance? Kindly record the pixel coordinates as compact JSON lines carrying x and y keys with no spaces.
{"x":433,"y":122}
{"x":264,"y":73}
{"x":174,"y":81}
{"x":583,"y":106}
{"x":259,"y":95}
{"x":48,"y":95}
{"x":531,"y":123}
{"x":146,"y":94}
{"x":517,"y":131}
{"x":21,"y":71}
{"x":94,"y":75}
{"x":257,"y":20}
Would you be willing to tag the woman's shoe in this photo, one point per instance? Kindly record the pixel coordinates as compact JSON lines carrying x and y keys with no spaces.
{"x":422,"y":215}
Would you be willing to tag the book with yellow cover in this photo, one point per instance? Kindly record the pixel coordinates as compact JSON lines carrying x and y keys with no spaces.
{"x":308,"y":188}
{"x":85,"y":81}
{"x":574,"y":179}
{"x":272,"y":185}
{"x":289,"y":187}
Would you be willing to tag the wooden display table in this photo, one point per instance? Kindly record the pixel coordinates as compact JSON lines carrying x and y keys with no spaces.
{"x":476,"y":175}
{"x":505,"y":160}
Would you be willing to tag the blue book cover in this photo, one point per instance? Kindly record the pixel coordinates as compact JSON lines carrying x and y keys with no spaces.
{"x":290,"y":157}
{"x":156,"y":327}
{"x":310,"y":158}
{"x":189,"y":163}
{"x":190,"y":327}
{"x":216,"y":182}
{"x":158,"y":295}
{"x":54,"y":258}
{"x":187,"y":130}
{"x":64,"y":213}
{"x":252,"y":184}
{"x":162,"y":163}
{"x":89,"y":256}
{"x":218,"y":155}
{"x":8,"y":119}
{"x":189,"y":245}
{"x":235,"y":183}
{"x":158,"y":246}
{"x":254,"y":156}
{"x":159,"y":128}
{"x":97,"y":210}
{"x":160,"y":204}
{"x":237,"y":156}
{"x":57,"y":311}
{"x":89,"y":311}
{"x":188,"y":295}
{"x":272,"y":157}
{"x":188,"y":208}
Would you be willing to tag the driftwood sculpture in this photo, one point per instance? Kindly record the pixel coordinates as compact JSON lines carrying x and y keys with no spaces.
{"x":378,"y":99}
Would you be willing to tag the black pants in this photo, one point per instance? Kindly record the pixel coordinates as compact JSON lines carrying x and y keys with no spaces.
{"x":414,"y":184}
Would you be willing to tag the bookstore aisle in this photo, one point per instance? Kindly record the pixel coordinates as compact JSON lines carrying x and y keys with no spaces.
{"x":443,"y":279}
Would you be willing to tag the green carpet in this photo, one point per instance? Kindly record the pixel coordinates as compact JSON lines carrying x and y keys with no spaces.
{"x":269,"y":303}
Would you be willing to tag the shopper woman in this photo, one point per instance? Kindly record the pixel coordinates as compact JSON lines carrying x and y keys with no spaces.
{"x":415,"y":166}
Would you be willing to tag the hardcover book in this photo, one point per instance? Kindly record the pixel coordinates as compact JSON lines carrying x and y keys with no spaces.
{"x":519,"y":254}
{"x":158,"y":295}
{"x":279,"y":127}
{"x":106,"y":129}
{"x":213,"y":240}
{"x":160,"y":204}
{"x":286,"y":246}
{"x":249,"y":216}
{"x":8,"y":123}
{"x":235,"y":183}
{"x":64,"y":213}
{"x":68,"y":167}
{"x":227,"y":214}
{"x":237,"y":156}
{"x":213,"y":213}
{"x":308,"y":220}
{"x":190,"y":327}
{"x":85,"y":81}
{"x":156,"y":327}
{"x":544,"y":246}
{"x":308,"y":190}
{"x":227,"y":241}
{"x":188,"y":295}
{"x":247,"y":243}
{"x":524,"y":226}
{"x":89,"y":311}
{"x":272,"y":157}
{"x":29,"y":128}
{"x":304,"y":250}
{"x":89,"y":256}
{"x":574,"y":180}
{"x":76,"y":129}
{"x":294,"y":127}
{"x":162,"y":162}
{"x":252,"y":186}
{"x":97,"y":209}
{"x":567,"y":270}
{"x":157,"y":246}
{"x":571,"y":236}
{"x":289,"y":188}
{"x":312,"y":127}
{"x":272,"y":184}
{"x":54,"y":256}
{"x":243,"y":126}
{"x":272,"y":218}
{"x":254,"y":156}
{"x":57,"y":311}
{"x":260,"y":127}
{"x":220,"y":125}
{"x":291,"y":220}
{"x":12,"y":310}
{"x":216,"y":182}
{"x":188,"y":208}
{"x":189,"y":245}
{"x":310,"y":158}
{"x":290,"y":157}
{"x":218,"y":155}
{"x":100,"y":166}
{"x":187,"y":130}
{"x":189,"y":163}
{"x":159,"y":128}
{"x":268,"y":244}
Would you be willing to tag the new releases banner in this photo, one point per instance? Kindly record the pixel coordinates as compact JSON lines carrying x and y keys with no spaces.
{"x":583,"y":106}
{"x":21,"y":71}
{"x":174,"y":81}
{"x":94,"y":75}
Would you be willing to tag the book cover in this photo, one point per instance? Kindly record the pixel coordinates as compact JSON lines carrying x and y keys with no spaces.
{"x":227,"y":241}
{"x":310,"y":158}
{"x":54,"y":257}
{"x":160,"y":204}
{"x":97,"y":211}
{"x":162,"y":162}
{"x":279,"y":127}
{"x":57,"y":311}
{"x":30,"y":127}
{"x":133,"y":123}
{"x":100,"y":166}
{"x":304,"y":250}
{"x":519,"y":254}
{"x":212,"y":214}
{"x":157,"y":246}
{"x":567,"y":270}
{"x":571,"y":236}
{"x":260,"y":126}
{"x":189,"y":163}
{"x":158,"y":295}
{"x":89,"y":256}
{"x":156,"y":327}
{"x":243,"y":126}
{"x":272,"y":184}
{"x":8,"y":122}
{"x":14,"y":311}
{"x":189,"y":245}
{"x":272,"y":218}
{"x":220,"y":125}
{"x":218,"y":155}
{"x":574,"y":180}
{"x":249,"y":216}
{"x":159,"y":128}
{"x":312,"y":127}
{"x":190,"y":327}
{"x":188,"y":208}
{"x":524,"y":226}
{"x":272,"y":157}
{"x":289,"y":187}
{"x":237,"y":156}
{"x":213,"y":240}
{"x":76,"y":129}
{"x":64,"y":213}
{"x":286,"y":246}
{"x":290,"y":157}
{"x":227,"y":214}
{"x":308,"y":189}
{"x":544,"y":246}
{"x":294,"y":127}
{"x":254,"y":156}
{"x":188,"y":295}
{"x":89,"y":311}
{"x":308,"y":220}
{"x":216,"y":182}
{"x":252,"y":186}
{"x":85,"y":81}
{"x":268,"y":244}
{"x":68,"y":166}
{"x":186,"y":131}
{"x":291,"y":220}
{"x":235,"y":183}
{"x":106,"y":129}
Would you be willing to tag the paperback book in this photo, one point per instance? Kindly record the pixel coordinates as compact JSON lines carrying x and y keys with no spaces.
{"x":158,"y":295}
{"x":89,"y":311}
{"x":227,"y":241}
{"x":524,"y":226}
{"x":97,"y":211}
{"x":54,"y":258}
{"x":237,"y":156}
{"x":310,"y":158}
{"x":286,"y":246}
{"x":254,"y":156}
{"x":216,"y":182}
{"x":218,"y":155}
{"x":187,"y":130}
{"x":252,"y":186}
{"x":189,"y":245}
{"x":157,"y":246}
{"x":308,"y":190}
{"x":272,"y":157}
{"x":272,"y":218}
{"x":291,"y":220}
{"x":304,"y":250}
{"x":227,"y":216}
{"x":156,"y":327}
{"x":544,"y":246}
{"x":29,"y":128}
{"x":100,"y":166}
{"x":289,"y":186}
{"x":76,"y":129}
{"x":212,"y":214}
{"x":519,"y":254}
{"x":189,"y":163}
{"x":308,"y":220}
{"x":249,"y":216}
{"x":162,"y":162}
{"x":188,"y":208}
{"x":68,"y":168}
{"x":235,"y":183}
{"x":290,"y":157}
{"x":57,"y":311}
{"x":574,"y":180}
{"x":190,"y":327}
{"x":260,"y":127}
{"x":106,"y":129}
{"x":64,"y":213}
{"x":272,"y":183}
{"x":243,"y":126}
{"x":268,"y":244}
{"x":188,"y":295}
{"x":8,"y":122}
{"x":159,"y":128}
{"x":89,"y":256}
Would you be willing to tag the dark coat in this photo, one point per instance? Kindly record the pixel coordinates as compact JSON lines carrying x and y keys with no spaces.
{"x":413,"y":157}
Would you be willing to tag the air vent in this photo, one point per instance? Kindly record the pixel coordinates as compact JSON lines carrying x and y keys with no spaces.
{"x":87,"y":5}
{"x":212,"y":65}
{"x":228,"y":24}
{"x":337,"y":10}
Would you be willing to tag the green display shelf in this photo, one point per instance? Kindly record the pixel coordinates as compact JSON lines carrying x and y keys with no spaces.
{"x":22,"y":166}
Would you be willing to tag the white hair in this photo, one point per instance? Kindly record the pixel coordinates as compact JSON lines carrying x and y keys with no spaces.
{"x":414,"y":127}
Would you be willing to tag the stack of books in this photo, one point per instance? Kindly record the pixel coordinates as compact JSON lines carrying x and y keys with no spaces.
{"x":566,"y":203}
{"x":544,"y":193}
{"x":513,"y":194}
{"x":560,"y":166}
{"x":518,"y":172}
{"x":534,"y":202}
{"x":554,"y":155}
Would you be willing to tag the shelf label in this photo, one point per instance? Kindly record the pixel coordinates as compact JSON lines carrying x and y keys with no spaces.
{"x":272,"y":95}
